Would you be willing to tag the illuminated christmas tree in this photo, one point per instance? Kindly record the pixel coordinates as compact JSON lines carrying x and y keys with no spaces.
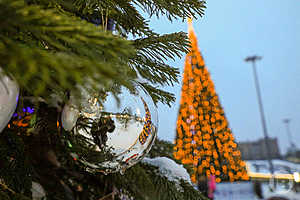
{"x":203,"y":137}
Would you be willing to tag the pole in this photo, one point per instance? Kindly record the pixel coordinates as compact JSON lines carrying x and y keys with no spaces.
{"x":253,"y":59}
{"x":287,"y":123}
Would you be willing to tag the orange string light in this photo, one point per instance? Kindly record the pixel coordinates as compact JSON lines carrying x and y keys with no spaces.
{"x":203,"y":138}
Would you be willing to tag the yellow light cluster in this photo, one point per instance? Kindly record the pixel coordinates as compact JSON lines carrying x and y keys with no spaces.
{"x":294,"y":176}
{"x":203,"y":138}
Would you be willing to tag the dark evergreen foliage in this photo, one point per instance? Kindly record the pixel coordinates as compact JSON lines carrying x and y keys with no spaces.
{"x":50,"y":47}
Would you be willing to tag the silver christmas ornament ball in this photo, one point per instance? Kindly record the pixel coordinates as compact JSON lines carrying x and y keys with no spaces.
{"x":9,"y":94}
{"x":119,"y":134}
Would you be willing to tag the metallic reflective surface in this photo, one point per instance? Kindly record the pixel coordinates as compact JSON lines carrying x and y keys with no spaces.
{"x":9,"y":93}
{"x":120,"y":134}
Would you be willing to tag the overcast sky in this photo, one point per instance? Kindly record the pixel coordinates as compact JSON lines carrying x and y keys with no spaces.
{"x":230,"y":31}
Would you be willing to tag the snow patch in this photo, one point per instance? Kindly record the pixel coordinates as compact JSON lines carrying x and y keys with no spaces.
{"x":169,"y":168}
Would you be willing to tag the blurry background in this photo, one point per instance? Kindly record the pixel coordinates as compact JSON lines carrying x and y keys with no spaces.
{"x":229,"y":32}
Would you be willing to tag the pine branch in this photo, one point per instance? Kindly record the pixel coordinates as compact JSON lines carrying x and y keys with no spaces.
{"x":154,"y":71}
{"x":70,"y":50}
{"x":130,"y":21}
{"x":157,"y":94}
{"x":5,"y":187}
{"x":60,"y":32}
{"x":153,"y":51}
{"x":65,"y":33}
{"x":144,"y":182}
{"x":14,"y":165}
{"x":163,"y":149}
{"x":128,"y":18}
{"x":43,"y":71}
{"x":173,"y":9}
{"x":52,"y":46}
{"x":163,"y":47}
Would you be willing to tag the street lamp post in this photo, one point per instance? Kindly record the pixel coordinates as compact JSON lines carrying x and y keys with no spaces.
{"x":287,"y":123}
{"x":253,"y":59}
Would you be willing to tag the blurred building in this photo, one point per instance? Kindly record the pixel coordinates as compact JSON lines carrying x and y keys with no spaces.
{"x":256,"y":150}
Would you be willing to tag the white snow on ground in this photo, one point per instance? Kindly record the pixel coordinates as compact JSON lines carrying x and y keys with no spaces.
{"x":234,"y":191}
{"x":169,"y":168}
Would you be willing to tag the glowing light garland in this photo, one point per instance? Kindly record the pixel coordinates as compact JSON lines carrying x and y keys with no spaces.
{"x":203,"y":137}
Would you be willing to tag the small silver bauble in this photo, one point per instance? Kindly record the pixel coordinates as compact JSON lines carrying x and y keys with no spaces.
{"x":69,"y":116}
{"x":9,"y":94}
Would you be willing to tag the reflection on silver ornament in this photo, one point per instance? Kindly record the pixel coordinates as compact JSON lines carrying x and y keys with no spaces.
{"x":9,"y":93}
{"x":69,"y":116}
{"x":117,"y":137}
{"x":37,"y":191}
